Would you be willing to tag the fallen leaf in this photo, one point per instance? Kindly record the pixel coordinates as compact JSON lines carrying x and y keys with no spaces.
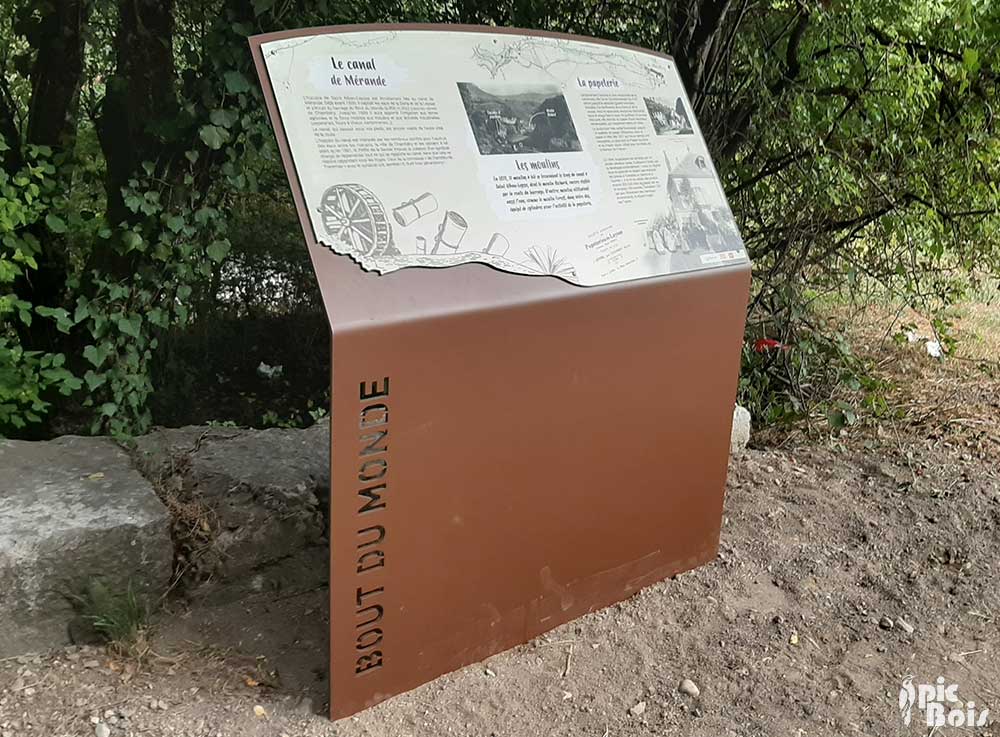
{"x":129,"y":673}
{"x":260,"y":711}
{"x":250,"y":682}
{"x":96,"y":476}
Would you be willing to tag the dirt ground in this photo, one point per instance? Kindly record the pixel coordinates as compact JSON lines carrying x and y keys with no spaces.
{"x":846,"y":565}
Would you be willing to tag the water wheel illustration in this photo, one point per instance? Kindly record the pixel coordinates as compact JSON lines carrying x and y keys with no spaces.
{"x":354,"y":216}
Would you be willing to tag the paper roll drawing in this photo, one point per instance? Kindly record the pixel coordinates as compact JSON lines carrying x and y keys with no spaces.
{"x":450,"y":232}
{"x":415,"y":209}
{"x":498,"y":244}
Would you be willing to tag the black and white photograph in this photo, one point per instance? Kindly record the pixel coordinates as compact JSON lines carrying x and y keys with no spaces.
{"x":510,"y":118}
{"x":669,"y":118}
{"x":663,"y":233}
{"x":704,"y":219}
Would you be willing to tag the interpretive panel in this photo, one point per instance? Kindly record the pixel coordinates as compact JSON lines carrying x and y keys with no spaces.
{"x":506,"y":453}
{"x":535,"y":155}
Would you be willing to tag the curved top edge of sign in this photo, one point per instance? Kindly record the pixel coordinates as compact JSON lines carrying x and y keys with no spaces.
{"x":262,"y":38}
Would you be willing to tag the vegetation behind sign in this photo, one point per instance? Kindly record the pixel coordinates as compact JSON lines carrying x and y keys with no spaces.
{"x":141,"y":197}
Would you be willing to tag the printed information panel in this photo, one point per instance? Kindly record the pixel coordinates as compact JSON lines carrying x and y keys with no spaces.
{"x":534,"y":155}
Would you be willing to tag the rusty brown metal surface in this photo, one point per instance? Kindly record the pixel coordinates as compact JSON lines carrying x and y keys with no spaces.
{"x":510,"y":452}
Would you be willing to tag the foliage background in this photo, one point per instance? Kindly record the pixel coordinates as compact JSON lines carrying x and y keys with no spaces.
{"x":149,"y":257}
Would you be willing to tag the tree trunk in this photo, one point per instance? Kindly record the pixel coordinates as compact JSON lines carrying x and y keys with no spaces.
{"x":56,"y":73}
{"x":140,"y":92}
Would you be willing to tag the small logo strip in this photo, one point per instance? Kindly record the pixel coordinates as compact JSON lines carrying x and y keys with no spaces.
{"x":940,"y":705}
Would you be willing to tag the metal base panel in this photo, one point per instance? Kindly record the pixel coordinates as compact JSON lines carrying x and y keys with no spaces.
{"x":499,"y":471}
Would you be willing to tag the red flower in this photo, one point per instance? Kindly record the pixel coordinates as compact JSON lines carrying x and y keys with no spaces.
{"x":767,"y":344}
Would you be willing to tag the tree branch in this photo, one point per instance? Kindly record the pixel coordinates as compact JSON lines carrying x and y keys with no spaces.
{"x":10,"y":132}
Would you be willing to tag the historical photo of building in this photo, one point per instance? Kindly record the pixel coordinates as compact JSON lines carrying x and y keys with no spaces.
{"x":668,"y":118}
{"x":519,"y":118}
{"x":699,"y":206}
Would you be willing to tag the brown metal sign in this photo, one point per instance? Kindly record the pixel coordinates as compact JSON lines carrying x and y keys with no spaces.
{"x":508,"y":452}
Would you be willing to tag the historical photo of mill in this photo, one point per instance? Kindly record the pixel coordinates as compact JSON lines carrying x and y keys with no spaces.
{"x":511,"y":118}
{"x":669,"y":118}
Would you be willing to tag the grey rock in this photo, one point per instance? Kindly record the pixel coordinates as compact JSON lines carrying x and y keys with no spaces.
{"x":740,"y":434}
{"x":264,"y":493}
{"x":102,"y":730}
{"x":689,"y":688}
{"x":905,"y":626}
{"x":638,"y":710}
{"x":885,"y":623}
{"x":71,"y":510}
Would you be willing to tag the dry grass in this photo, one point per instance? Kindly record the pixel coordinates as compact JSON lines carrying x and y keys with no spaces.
{"x":919,"y":393}
{"x":978,"y":324}
{"x":954,"y":400}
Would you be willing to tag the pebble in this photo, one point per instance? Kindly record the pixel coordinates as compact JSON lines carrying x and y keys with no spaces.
{"x":906,"y":626}
{"x":102,"y":730}
{"x":690,"y":688}
{"x":885,"y":623}
{"x":92,"y":664}
{"x":489,"y":672}
{"x":638,"y":710}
